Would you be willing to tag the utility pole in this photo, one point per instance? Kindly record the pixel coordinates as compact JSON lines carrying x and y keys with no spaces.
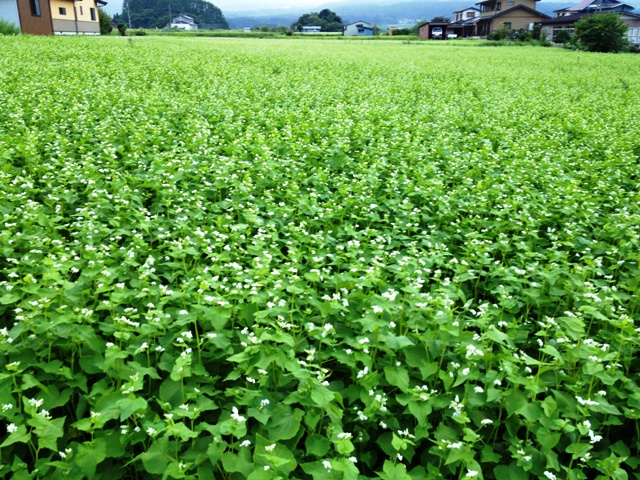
{"x":129,"y":14}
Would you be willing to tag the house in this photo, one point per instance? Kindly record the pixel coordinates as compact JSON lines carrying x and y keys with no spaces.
{"x":508,"y":15}
{"x":566,"y":18}
{"x":311,"y":29}
{"x":71,"y":17}
{"x":595,"y":6}
{"x":465,"y":22}
{"x":183,"y":22}
{"x":47,"y":17}
{"x":358,"y":29}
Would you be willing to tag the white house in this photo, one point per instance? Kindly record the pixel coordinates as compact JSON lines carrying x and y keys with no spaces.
{"x":358,"y":29}
{"x":183,"y":22}
{"x":311,"y":29}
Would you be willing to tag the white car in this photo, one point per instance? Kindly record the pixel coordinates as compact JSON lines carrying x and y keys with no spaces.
{"x":436,"y":32}
{"x":451,"y":36}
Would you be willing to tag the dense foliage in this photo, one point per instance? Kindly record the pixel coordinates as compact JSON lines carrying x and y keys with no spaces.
{"x":317,"y":260}
{"x":604,"y":32}
{"x":7,"y":28}
{"x":328,"y":20}
{"x":157,"y":13}
{"x":105,"y":22}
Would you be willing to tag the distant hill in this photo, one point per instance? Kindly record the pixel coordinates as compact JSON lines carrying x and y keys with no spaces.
{"x":382,"y":14}
{"x":156,"y":13}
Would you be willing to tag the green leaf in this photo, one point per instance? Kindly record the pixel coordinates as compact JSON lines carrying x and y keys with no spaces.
{"x":181,"y":431}
{"x":90,"y":455}
{"x":394,"y":472}
{"x":420,"y":410}
{"x":515,"y":401}
{"x":531,"y":411}
{"x":262,"y":475}
{"x":156,"y":458}
{"x":19,"y":436}
{"x":549,"y":406}
{"x":511,"y":472}
{"x":49,"y":435}
{"x":578,"y":449}
{"x":171,"y":392}
{"x":240,"y":462}
{"x":317,"y":445}
{"x":9,"y":298}
{"x":397,"y":376}
{"x":317,"y":471}
{"x":551,"y":350}
{"x":489,"y":456}
{"x":321,"y":395}
{"x":548,"y":440}
{"x":279,"y":458}
{"x":285,"y":422}
{"x":130,"y":405}
{"x":397,"y":343}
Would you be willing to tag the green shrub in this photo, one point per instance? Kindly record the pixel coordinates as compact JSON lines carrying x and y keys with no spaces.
{"x":122,"y":28}
{"x":497,"y":35}
{"x":563,"y":36}
{"x":603,"y":32}
{"x":7,"y":28}
{"x":400,"y":31}
{"x":536,"y":32}
{"x":105,"y":22}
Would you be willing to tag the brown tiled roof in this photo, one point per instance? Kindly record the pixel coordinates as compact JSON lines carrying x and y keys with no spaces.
{"x":566,"y":19}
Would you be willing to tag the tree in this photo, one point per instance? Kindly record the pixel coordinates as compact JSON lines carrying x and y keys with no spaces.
{"x":105,"y":22}
{"x":415,"y":30}
{"x":440,"y":19}
{"x":602,"y":32}
{"x":328,"y":20}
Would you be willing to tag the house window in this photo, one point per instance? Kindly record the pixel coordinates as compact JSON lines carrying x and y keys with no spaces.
{"x":510,"y":4}
{"x":35,"y":8}
{"x":471,"y":14}
{"x":507,"y":25}
{"x":498,"y":6}
{"x":62,"y":10}
{"x":81,"y":12}
{"x":93,"y":14}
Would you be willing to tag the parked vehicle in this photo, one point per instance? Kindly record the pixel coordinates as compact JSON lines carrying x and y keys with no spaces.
{"x":436,"y":32}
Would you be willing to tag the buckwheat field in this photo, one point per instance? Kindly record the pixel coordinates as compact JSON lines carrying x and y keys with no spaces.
{"x":317,"y":259}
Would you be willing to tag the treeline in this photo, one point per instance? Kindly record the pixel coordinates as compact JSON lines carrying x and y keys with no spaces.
{"x":328,"y":20}
{"x":158,"y":13}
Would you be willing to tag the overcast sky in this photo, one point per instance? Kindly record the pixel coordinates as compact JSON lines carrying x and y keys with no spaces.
{"x":266,"y":4}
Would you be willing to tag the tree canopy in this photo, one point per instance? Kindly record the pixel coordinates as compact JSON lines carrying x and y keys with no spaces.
{"x":603,"y":32}
{"x":155,"y":13}
{"x":441,"y":19}
{"x":328,"y":20}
